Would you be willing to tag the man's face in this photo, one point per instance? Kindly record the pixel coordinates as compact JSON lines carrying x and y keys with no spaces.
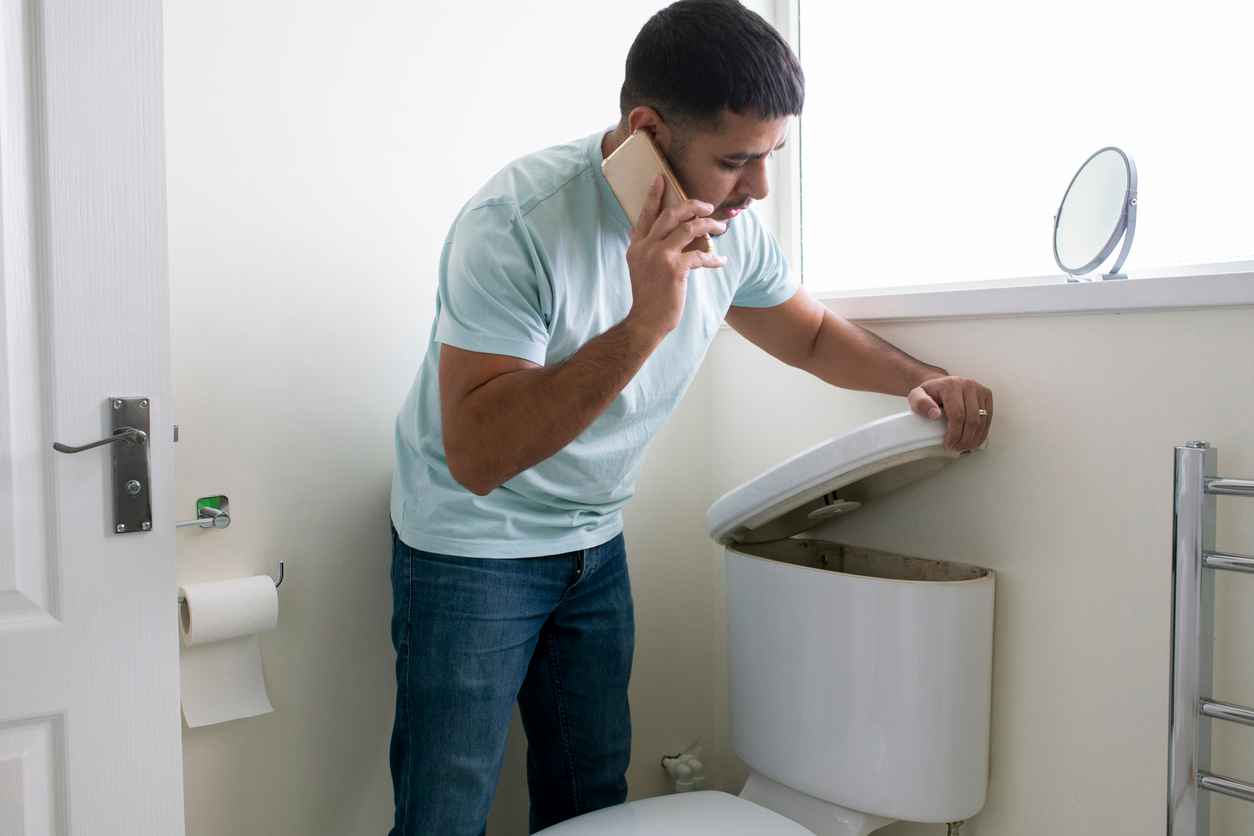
{"x":727,"y":167}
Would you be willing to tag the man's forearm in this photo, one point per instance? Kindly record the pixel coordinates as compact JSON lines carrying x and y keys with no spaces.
{"x":520,"y":418}
{"x":847,"y":355}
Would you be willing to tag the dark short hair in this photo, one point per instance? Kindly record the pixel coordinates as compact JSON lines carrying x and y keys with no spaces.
{"x":695,"y":58}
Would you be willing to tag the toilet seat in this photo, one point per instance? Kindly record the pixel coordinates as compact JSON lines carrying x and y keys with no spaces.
{"x":705,"y":813}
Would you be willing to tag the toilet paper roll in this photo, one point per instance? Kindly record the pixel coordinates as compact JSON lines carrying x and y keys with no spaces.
{"x":220,"y":665}
{"x":228,"y":609}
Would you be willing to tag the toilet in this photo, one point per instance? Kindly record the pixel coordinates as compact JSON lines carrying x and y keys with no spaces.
{"x":860,"y":680}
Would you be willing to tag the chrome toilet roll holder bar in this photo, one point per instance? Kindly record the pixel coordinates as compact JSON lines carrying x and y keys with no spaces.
{"x":211,"y":512}
{"x":277,"y":581}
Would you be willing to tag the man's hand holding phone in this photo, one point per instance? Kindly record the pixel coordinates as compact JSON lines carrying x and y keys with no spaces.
{"x":657,"y":261}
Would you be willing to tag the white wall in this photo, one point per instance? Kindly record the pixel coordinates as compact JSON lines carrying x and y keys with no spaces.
{"x":1071,"y":504}
{"x":316,"y":153}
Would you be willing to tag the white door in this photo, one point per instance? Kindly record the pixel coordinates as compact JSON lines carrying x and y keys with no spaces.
{"x":89,"y":711}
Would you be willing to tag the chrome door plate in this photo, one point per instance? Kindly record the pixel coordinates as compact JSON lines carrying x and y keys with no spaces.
{"x":132,"y":505}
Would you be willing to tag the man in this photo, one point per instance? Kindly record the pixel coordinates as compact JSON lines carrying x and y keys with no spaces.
{"x":565,"y":333}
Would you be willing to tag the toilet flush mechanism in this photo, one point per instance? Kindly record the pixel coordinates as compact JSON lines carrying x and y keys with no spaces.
{"x":834,"y":508}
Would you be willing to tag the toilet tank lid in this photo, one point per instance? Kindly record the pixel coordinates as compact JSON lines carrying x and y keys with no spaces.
{"x":701,"y":813}
{"x":830,"y":479}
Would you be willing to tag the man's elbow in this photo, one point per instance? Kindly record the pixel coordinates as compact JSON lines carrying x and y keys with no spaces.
{"x":468,"y":473}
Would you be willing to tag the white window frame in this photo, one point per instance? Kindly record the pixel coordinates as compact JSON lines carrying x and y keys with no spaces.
{"x":1219,"y":284}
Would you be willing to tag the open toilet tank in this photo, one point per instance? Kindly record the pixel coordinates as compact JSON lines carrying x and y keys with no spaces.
{"x":854,"y":685}
{"x":860,"y":680}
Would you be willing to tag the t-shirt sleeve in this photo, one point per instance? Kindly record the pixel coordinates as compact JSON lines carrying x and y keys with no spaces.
{"x":493,"y":297}
{"x":766,"y":280}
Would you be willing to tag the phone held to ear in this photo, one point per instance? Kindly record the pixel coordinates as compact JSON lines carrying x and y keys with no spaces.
{"x":631,"y":169}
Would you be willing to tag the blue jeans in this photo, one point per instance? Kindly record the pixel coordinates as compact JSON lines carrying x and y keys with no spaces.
{"x":472,"y":635}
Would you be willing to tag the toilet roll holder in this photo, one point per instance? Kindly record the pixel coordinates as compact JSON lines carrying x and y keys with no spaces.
{"x":211,"y":512}
{"x":215,"y":512}
{"x":277,"y":581}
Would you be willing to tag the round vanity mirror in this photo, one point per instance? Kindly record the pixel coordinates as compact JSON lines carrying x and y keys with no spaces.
{"x":1098,"y":208}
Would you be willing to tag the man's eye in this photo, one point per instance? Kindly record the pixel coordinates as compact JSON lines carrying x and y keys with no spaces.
{"x":730,"y":166}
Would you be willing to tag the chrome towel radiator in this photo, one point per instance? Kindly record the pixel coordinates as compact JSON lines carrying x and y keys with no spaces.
{"x":1194,"y":563}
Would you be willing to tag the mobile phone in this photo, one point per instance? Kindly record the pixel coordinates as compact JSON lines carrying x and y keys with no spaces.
{"x":631,"y":169}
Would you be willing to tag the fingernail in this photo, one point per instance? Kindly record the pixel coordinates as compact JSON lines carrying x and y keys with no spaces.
{"x":935,"y":413}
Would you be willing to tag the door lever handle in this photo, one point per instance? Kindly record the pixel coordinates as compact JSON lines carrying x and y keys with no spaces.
{"x":129,"y":435}
{"x":130,"y":422}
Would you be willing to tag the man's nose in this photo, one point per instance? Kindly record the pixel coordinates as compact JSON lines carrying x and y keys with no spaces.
{"x":754,"y":180}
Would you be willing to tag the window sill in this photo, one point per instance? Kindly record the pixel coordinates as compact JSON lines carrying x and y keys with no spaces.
{"x":1197,"y":286}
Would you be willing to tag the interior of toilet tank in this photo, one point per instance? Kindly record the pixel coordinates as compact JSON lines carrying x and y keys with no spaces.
{"x":855,"y":560}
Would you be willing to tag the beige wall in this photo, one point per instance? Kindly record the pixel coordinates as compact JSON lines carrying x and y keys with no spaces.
{"x":1071,"y":504}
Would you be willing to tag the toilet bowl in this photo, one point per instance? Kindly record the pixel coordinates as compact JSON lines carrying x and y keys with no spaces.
{"x":860,"y":680}
{"x":703,"y":813}
{"x":713,"y":813}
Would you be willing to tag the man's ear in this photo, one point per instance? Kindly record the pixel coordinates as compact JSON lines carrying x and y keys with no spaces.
{"x":645,"y":118}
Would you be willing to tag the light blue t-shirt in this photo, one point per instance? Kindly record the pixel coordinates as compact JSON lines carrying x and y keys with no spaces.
{"x":534,"y":266}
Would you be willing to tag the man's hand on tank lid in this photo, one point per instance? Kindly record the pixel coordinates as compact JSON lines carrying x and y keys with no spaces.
{"x":656,"y":260}
{"x":965,"y":404}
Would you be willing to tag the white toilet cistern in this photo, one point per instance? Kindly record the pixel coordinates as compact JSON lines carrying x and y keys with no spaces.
{"x":860,"y":680}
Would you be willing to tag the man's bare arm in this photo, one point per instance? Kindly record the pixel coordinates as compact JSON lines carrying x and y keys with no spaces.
{"x":803,"y":333}
{"x":502,"y":415}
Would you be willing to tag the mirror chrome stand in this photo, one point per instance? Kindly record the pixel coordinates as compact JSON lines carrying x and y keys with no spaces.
{"x":1129,"y":224}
